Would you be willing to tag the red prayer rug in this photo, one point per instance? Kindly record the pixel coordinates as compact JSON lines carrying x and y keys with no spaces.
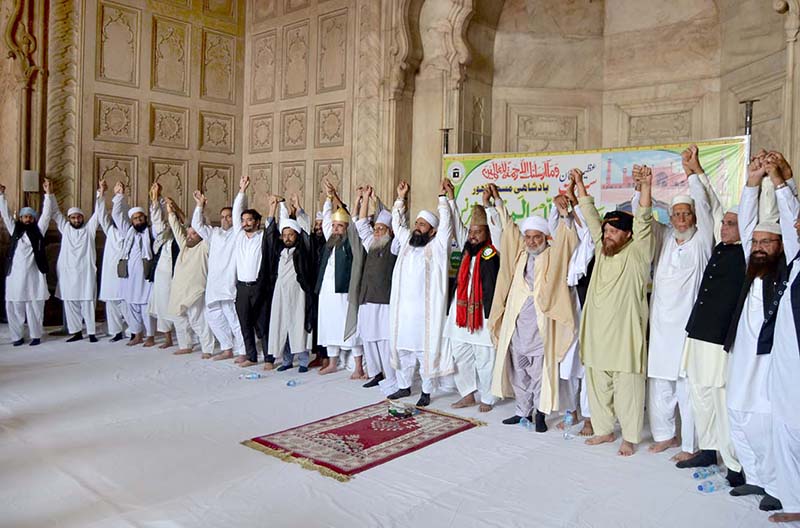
{"x":345,"y":444}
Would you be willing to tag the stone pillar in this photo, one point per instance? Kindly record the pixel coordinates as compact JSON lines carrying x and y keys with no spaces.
{"x":791,"y":98}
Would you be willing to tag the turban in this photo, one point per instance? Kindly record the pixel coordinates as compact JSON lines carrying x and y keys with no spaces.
{"x":620,"y":219}
{"x":429,"y":217}
{"x":318,"y":216}
{"x":535,"y":223}
{"x":134,"y":210}
{"x":385,"y":218}
{"x":290,"y":223}
{"x":74,"y":211}
{"x":341,"y":215}
{"x":681,"y":199}
{"x":478,"y":216}
{"x":27,"y":211}
{"x":769,"y":227}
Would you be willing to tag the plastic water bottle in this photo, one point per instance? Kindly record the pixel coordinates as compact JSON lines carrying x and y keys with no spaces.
{"x":706,"y":472}
{"x":569,"y":421}
{"x":292,"y":383}
{"x":250,"y":375}
{"x":526,"y":424}
{"x":713,"y":485}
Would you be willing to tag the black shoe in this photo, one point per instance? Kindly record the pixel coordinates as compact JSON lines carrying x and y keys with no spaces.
{"x":19,"y":342}
{"x":35,"y":342}
{"x":424,"y":400}
{"x":374,"y":381}
{"x":400,"y":393}
{"x":705,"y":458}
{"x":747,"y":489}
{"x":301,"y":370}
{"x":283,"y":368}
{"x":92,"y":338}
{"x":514,"y":420}
{"x":770,"y":503}
{"x":119,"y":337}
{"x":735,"y":478}
{"x":75,"y":337}
{"x":541,"y":425}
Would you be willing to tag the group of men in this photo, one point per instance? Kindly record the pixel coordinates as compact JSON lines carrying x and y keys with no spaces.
{"x":556,"y":313}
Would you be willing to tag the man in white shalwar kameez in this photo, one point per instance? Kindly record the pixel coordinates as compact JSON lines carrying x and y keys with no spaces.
{"x":76,"y":265}
{"x":220,"y":296}
{"x":26,"y":284}
{"x":682,"y":252}
{"x":164,"y":251}
{"x":187,"y":295}
{"x":109,"y":281}
{"x":374,"y":295}
{"x":333,"y":287}
{"x":783,"y":389}
{"x":419,"y":296}
{"x":137,"y":249}
{"x":749,"y":406}
{"x":472,"y":348}
{"x":294,"y":282}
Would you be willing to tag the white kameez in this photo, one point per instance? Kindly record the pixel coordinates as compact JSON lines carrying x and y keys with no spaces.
{"x":112,"y":253}
{"x":287,"y":316}
{"x":25,"y":282}
{"x":135,"y":289}
{"x":221,"y":284}
{"x":76,"y":265}
{"x":162,"y":280}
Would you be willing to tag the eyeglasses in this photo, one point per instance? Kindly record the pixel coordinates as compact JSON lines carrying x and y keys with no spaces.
{"x":765,"y":242}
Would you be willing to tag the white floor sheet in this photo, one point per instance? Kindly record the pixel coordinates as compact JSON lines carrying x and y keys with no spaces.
{"x":102,"y":435}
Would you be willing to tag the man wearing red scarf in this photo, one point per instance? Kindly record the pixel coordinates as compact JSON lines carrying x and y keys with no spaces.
{"x":466,"y":328}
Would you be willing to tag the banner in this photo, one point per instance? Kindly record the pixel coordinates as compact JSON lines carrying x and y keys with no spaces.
{"x":529,"y":181}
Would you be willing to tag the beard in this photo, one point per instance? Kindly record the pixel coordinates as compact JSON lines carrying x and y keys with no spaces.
{"x":249,"y":229}
{"x":140,"y":227}
{"x":380,"y":242}
{"x":535,"y":252}
{"x":761,"y":264}
{"x":473,"y":249}
{"x":685,"y":235}
{"x":611,"y":248}
{"x":76,"y":225}
{"x":334,"y":241}
{"x":419,"y":239}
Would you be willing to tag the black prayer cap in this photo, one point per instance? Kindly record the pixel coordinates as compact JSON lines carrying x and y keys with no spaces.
{"x":620,"y":219}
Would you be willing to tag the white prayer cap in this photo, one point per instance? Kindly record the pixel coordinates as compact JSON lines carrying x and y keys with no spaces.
{"x":535,"y":223}
{"x":385,"y":218}
{"x":133,"y":210}
{"x":74,"y":211}
{"x":319,"y":216}
{"x":429,"y":217}
{"x":769,"y":227}
{"x":291,"y":224}
{"x":681,"y":199}
{"x":733,"y":209}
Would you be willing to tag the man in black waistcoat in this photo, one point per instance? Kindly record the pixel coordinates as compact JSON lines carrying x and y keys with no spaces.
{"x":467,"y":328}
{"x":750,"y":336}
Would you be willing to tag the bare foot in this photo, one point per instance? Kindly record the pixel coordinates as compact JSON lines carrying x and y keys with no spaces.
{"x":358,"y":374}
{"x":167,"y":341}
{"x":658,"y":447}
{"x":137,"y":338}
{"x":226,"y":354}
{"x":247,"y":363}
{"x":269,"y":366}
{"x":206,"y":356}
{"x":561,"y":425}
{"x":330,"y":369}
{"x":484,"y":407}
{"x":626,"y":449}
{"x":238,"y":359}
{"x":149,"y":342}
{"x":587,"y":430}
{"x":784,"y":517}
{"x":182,"y":351}
{"x":466,"y":401}
{"x":602,"y":439}
{"x":683,"y":455}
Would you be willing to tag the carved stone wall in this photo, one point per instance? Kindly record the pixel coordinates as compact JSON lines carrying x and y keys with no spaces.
{"x":299,"y":81}
{"x":162,"y":98}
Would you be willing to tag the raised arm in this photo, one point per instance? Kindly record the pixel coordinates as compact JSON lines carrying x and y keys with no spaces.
{"x":643,"y":236}
{"x":51,"y":205}
{"x":588,"y":210}
{"x":119,"y":208}
{"x":460,"y":232}
{"x":7,"y":220}
{"x":748,"y":204}
{"x":240,"y":203}
{"x":702,"y":210}
{"x":198,"y":216}
{"x":399,"y":221}
{"x":445,"y":230}
{"x":178,"y":231}
{"x":99,"y":208}
{"x":327,"y":223}
{"x":492,"y":204}
{"x":788,"y":205}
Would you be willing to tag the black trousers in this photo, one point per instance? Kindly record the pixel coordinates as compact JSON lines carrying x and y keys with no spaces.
{"x":251,"y":311}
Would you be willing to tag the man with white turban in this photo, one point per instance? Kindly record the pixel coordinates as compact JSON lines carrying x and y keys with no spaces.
{"x":133,"y":269}
{"x":76,"y":265}
{"x":681,"y":253}
{"x":419,"y":297}
{"x":26,"y":266}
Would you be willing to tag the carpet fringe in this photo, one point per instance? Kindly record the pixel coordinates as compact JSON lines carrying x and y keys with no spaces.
{"x":305,"y":463}
{"x":473,"y":421}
